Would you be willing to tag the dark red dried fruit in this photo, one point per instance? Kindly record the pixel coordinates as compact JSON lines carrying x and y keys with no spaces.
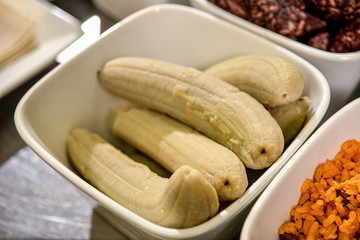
{"x":279,"y":17}
{"x":236,"y":7}
{"x":338,"y":9}
{"x":286,"y":17}
{"x":320,"y":41}
{"x":347,"y":39}
{"x":317,"y":23}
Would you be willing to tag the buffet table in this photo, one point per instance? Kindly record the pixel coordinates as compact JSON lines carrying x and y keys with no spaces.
{"x":35,"y":201}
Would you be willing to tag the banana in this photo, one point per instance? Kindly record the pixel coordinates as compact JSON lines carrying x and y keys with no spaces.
{"x":173,"y":144}
{"x":271,"y":79}
{"x":291,"y":117}
{"x":150,"y":163}
{"x":183,"y":200}
{"x":140,"y":157}
{"x":219,"y":110}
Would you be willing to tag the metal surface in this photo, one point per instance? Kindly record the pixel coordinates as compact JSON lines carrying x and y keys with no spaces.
{"x":35,"y":201}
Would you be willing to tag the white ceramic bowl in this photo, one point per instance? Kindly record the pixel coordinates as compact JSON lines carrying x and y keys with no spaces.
{"x":70,"y":96}
{"x":118,"y":9}
{"x":340,"y":69}
{"x":273,"y":207}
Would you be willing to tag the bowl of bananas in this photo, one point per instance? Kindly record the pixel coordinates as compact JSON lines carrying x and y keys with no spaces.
{"x":326,"y":33}
{"x":174,"y":121}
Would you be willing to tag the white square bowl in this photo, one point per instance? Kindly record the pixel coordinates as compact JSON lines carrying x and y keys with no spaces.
{"x":70,"y":96}
{"x":273,"y":207}
{"x":340,"y":69}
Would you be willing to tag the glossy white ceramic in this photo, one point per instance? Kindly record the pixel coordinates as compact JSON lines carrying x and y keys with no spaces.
{"x":70,"y":96}
{"x":118,"y":9}
{"x":273,"y":207}
{"x":340,"y":69}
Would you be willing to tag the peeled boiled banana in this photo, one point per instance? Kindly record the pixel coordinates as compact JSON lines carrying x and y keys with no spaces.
{"x":173,"y":144}
{"x":210,"y":105}
{"x":271,"y":79}
{"x":183,"y":200}
{"x":154,"y":166}
{"x":291,"y":117}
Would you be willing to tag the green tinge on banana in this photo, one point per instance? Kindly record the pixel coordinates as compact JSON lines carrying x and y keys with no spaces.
{"x":173,"y":144}
{"x":183,"y":200}
{"x":271,"y":79}
{"x":291,"y":117}
{"x":214,"y":107}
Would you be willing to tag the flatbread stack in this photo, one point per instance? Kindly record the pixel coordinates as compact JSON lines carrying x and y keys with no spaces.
{"x":17,"y":34}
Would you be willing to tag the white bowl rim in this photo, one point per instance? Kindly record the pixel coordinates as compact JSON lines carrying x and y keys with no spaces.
{"x":292,"y":44}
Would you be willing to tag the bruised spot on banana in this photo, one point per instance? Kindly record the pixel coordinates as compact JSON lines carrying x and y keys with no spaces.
{"x":173,"y":144}
{"x":210,"y":105}
{"x":184,"y":200}
{"x":291,"y":117}
{"x":271,"y":79}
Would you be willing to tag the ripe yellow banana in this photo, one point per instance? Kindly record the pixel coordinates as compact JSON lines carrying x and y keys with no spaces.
{"x":271,"y":79}
{"x":214,"y":107}
{"x":173,"y":144}
{"x":291,"y":117}
{"x":183,"y":200}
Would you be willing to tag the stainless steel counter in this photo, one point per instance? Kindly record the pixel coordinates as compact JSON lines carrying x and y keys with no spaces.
{"x":35,"y":201}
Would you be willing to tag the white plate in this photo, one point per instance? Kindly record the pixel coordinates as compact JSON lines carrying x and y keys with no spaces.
{"x":274,"y":205}
{"x":340,"y":69}
{"x":55,"y":30}
{"x":70,"y":96}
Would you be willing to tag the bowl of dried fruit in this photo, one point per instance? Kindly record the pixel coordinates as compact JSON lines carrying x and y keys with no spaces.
{"x":316,"y":194}
{"x":326,"y":33}
{"x":142,"y":122}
